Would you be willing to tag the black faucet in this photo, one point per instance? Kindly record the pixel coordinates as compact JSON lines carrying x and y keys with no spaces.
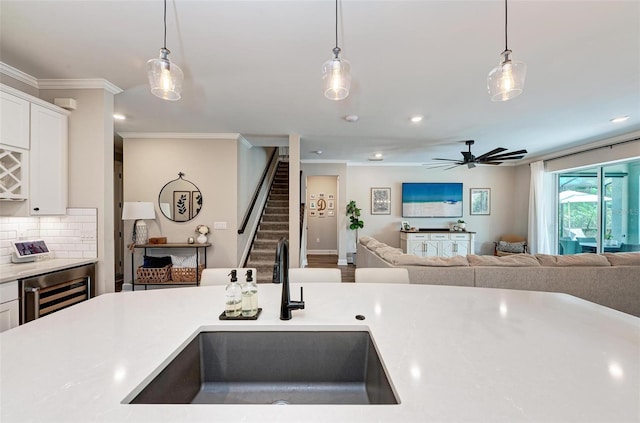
{"x":281,"y":275}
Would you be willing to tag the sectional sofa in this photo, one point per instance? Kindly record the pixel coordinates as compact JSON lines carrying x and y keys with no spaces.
{"x":609,"y":279}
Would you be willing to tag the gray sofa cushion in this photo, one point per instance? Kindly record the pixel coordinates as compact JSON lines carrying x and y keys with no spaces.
{"x":409,"y":259}
{"x":573,"y":260}
{"x":623,"y":259}
{"x":516,"y":260}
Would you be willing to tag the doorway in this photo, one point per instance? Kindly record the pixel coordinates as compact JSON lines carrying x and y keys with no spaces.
{"x":322,"y":210}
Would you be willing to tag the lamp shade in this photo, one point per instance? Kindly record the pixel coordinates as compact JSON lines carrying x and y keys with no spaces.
{"x":138,"y":210}
{"x":165,"y":78}
{"x":336,"y":74}
{"x":507,"y":80}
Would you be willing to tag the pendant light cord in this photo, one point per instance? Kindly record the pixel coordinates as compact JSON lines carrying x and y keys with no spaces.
{"x":165,"y":24}
{"x":505,"y":26}
{"x":337,"y":24}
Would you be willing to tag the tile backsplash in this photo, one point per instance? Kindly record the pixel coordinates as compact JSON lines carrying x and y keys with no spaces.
{"x":70,"y":236}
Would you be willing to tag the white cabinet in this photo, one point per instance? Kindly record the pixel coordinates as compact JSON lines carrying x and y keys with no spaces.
{"x":14,"y":173}
{"x":48,"y":184}
{"x":9,"y":305}
{"x":437,"y":244}
{"x":14,"y":121}
{"x":33,"y":152}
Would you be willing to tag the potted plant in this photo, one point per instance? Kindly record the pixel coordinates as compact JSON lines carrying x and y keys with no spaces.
{"x":355,"y":222}
{"x":461,"y":224}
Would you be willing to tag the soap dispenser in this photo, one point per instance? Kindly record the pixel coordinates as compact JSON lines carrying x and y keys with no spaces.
{"x":233,"y":297}
{"x":249,"y":296}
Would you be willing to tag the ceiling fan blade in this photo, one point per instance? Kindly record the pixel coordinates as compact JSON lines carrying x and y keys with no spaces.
{"x":491,"y":153}
{"x":447,"y":160}
{"x":437,"y":166}
{"x":497,"y":158}
{"x":511,"y":153}
{"x":492,"y":163}
{"x":451,"y":167}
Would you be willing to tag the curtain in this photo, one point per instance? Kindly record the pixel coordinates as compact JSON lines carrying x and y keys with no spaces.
{"x":539,"y":208}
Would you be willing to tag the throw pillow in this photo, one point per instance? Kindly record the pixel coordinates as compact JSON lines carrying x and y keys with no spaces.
{"x":364,"y":240}
{"x":511,"y":247}
{"x":156,"y":262}
{"x":184,"y":261}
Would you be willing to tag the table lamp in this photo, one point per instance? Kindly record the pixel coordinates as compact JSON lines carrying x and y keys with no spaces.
{"x":138,"y":211}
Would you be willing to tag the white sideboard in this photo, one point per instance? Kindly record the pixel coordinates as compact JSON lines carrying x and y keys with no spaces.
{"x":437,"y":243}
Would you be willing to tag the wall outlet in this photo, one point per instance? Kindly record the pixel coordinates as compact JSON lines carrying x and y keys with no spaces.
{"x":318,"y":240}
{"x":219,"y":225}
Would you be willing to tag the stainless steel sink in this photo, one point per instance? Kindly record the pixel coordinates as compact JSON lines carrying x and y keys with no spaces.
{"x":273,"y":367}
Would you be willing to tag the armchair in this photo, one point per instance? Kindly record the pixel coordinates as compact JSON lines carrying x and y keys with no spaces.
{"x":510,"y":244}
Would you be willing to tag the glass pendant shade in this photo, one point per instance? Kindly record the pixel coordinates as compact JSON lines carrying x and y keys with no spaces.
{"x":336,"y":75}
{"x":165,"y":78}
{"x":507,"y":80}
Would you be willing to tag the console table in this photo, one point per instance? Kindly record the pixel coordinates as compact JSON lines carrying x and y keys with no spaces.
{"x":146,"y":247}
{"x":437,"y":243}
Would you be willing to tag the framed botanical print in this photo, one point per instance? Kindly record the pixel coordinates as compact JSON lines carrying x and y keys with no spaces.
{"x":480,"y":201}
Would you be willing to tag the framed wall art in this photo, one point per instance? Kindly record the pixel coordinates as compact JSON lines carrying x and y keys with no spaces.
{"x":380,"y":200}
{"x":480,"y":201}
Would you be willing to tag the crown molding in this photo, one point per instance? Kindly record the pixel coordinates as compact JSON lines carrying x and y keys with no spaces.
{"x":66,"y":84}
{"x":58,"y":84}
{"x":18,"y":75}
{"x":244,"y":142}
{"x":179,"y":135}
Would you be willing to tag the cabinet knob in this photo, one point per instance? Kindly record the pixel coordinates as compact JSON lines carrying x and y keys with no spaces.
{"x":36,"y":209}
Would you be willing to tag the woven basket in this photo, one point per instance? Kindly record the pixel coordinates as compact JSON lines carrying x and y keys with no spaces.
{"x":154,"y":274}
{"x":186,"y":274}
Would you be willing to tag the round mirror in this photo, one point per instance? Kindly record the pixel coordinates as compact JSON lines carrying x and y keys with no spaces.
{"x":180,"y":200}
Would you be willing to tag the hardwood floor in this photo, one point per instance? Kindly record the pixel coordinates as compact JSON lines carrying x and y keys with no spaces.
{"x":331,"y":262}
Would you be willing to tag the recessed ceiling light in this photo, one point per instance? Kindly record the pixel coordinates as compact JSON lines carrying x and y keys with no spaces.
{"x":318,"y":152}
{"x":351,"y":118}
{"x":416,"y":119}
{"x":619,"y":119}
{"x":118,"y":116}
{"x":378,"y":155}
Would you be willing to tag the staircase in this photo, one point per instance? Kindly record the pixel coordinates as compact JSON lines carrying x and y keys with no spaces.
{"x":274,"y":224}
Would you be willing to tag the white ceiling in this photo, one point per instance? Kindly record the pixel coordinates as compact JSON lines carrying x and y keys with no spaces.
{"x":253,"y":67}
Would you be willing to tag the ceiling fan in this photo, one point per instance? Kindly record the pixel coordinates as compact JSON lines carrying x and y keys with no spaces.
{"x":493,"y":157}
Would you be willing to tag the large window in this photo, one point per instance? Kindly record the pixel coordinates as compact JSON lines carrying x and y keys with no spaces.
{"x":598,"y":209}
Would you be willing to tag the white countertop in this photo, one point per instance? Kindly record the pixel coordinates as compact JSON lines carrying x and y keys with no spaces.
{"x":13,"y":271}
{"x":452,"y":354}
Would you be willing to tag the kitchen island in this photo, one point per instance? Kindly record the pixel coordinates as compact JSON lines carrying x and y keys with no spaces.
{"x":451,"y":353}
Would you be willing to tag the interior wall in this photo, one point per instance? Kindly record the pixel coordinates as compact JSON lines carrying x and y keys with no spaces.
{"x":322,"y":230}
{"x":520,"y":204}
{"x":149,"y":163}
{"x":386,"y":228}
{"x":91,"y":168}
{"x":19,"y":85}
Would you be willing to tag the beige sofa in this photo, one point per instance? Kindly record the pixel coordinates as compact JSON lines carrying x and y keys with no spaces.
{"x":610,"y":279}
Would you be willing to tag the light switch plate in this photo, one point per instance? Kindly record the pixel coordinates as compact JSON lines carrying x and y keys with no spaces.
{"x":219,"y":225}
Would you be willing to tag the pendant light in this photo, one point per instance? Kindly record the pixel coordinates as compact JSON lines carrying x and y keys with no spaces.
{"x":507,"y":80}
{"x":165,"y":78}
{"x":336,"y":72}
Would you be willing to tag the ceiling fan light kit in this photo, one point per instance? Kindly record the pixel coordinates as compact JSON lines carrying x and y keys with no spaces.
{"x":506,"y":81}
{"x":165,"y":78}
{"x":336,"y":72}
